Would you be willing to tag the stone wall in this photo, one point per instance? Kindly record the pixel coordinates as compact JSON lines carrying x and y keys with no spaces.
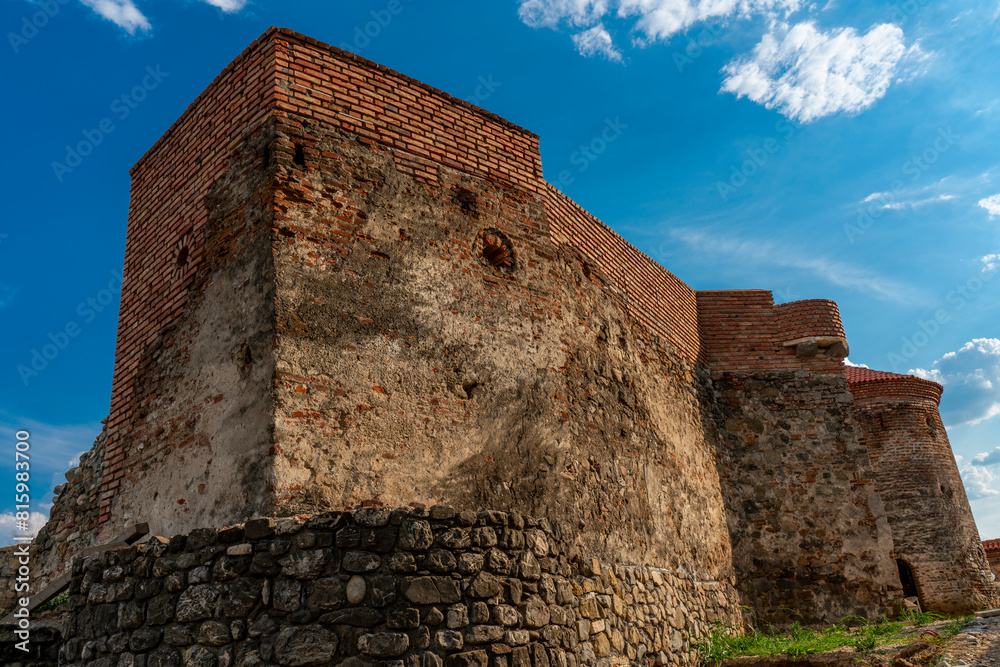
{"x":809,"y":534}
{"x":72,"y":527}
{"x":992,"y":550}
{"x":378,"y":587}
{"x":933,"y":528}
{"x":411,"y":368}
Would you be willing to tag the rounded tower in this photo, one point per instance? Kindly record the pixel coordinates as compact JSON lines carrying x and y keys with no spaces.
{"x":936,"y":543}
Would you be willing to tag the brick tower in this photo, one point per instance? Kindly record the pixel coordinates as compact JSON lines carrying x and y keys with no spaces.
{"x":937,"y":546}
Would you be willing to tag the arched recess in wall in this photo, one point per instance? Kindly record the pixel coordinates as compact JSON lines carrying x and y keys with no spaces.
{"x":908,"y":581}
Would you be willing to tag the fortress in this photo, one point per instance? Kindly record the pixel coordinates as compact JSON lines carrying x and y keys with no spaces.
{"x":346,"y":290}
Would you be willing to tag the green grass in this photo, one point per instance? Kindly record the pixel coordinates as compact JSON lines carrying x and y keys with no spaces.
{"x":723,"y":642}
{"x":57,"y":601}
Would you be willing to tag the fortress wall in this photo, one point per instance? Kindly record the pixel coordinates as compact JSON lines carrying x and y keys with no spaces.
{"x":411,"y":369}
{"x":992,"y":549}
{"x":742,"y":330}
{"x":933,"y":528}
{"x":809,"y":534}
{"x":425,"y":587}
{"x":425,"y":127}
{"x":660,"y":301}
{"x":192,"y":400}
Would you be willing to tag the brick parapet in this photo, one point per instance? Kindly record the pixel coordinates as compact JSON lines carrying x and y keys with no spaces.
{"x":744,"y":331}
{"x":659,"y":300}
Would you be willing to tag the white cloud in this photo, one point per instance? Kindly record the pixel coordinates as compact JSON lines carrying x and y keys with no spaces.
{"x":991,"y":204}
{"x":772,"y":255}
{"x":653,"y":20}
{"x":228,"y":6}
{"x":123,"y":13}
{"x":990,"y":263}
{"x":550,"y":13}
{"x":971,"y":378}
{"x":987,"y":458}
{"x":9,"y":527}
{"x":980,"y":482}
{"x":659,"y":20}
{"x":848,"y":362}
{"x":807,"y":74}
{"x":126,"y":14}
{"x":597,"y":42}
{"x":887,"y":201}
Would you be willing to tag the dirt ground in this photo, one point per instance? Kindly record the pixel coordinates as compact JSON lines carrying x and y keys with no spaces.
{"x":977,"y":645}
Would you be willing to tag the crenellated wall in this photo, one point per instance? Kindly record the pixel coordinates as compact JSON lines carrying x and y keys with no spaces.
{"x":934,"y":532}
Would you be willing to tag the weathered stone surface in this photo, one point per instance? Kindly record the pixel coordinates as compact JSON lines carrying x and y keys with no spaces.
{"x":384,"y":644}
{"x":307,"y":645}
{"x":330,"y":594}
{"x":196,"y":603}
{"x":415,"y":535}
{"x":361,"y":617}
{"x":432,"y":590}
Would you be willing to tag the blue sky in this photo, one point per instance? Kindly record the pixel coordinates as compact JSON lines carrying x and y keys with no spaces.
{"x":835,"y":150}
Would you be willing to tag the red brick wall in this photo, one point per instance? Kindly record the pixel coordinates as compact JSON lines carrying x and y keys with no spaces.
{"x":424,"y":126}
{"x":657,"y":298}
{"x":742,"y":330}
{"x":169,"y":185}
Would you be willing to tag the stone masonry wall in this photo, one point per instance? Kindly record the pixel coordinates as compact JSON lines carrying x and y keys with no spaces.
{"x":420,"y":587}
{"x":992,"y":550}
{"x":72,"y":527}
{"x":411,"y":368}
{"x":809,"y":534}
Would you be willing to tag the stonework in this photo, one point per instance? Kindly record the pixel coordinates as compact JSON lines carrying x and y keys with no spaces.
{"x":992,"y":549}
{"x":346,"y":289}
{"x":934,"y":535}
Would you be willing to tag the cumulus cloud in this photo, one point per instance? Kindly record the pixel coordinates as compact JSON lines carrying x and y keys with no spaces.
{"x":126,"y":14}
{"x":801,"y":71}
{"x":597,"y":42}
{"x":990,"y":263}
{"x":848,"y":362}
{"x":971,"y":378}
{"x":123,"y":13}
{"x":991,"y":204}
{"x":987,"y":458}
{"x":806,"y":74}
{"x":550,"y":13}
{"x":9,"y":527}
{"x":980,"y":482}
{"x":654,"y":20}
